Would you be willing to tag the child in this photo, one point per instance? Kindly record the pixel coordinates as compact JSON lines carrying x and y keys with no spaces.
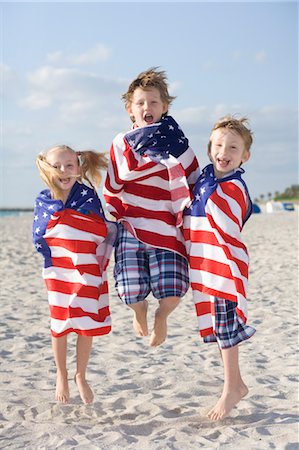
{"x":72,"y":234}
{"x":218,"y":258}
{"x":147,"y":188}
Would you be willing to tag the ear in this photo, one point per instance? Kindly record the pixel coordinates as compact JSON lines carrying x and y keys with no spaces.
{"x":165,"y":108}
{"x":209,"y":151}
{"x":129,"y":110}
{"x":246,"y":156}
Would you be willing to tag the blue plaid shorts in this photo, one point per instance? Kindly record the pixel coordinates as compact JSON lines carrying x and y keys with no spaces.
{"x":230,"y":329}
{"x":140,"y":269}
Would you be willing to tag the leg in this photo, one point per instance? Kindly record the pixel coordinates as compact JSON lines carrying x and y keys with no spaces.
{"x":140,"y":317}
{"x":234,"y":388}
{"x":84,"y":344}
{"x":169,"y":282}
{"x":131,"y":275}
{"x":59,"y":346}
{"x":159,"y":333}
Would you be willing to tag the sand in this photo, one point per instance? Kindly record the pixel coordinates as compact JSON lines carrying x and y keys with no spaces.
{"x":152,"y":398}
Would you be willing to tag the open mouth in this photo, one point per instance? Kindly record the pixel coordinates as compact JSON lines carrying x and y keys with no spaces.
{"x":64,"y":180}
{"x":149,"y":118}
{"x":223,"y":162}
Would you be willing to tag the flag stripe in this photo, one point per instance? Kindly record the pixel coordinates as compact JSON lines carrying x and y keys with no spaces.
{"x":217,"y":255}
{"x":148,"y":195}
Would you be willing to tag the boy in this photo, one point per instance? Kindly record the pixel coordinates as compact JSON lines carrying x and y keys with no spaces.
{"x":147,"y":188}
{"x":217,"y":256}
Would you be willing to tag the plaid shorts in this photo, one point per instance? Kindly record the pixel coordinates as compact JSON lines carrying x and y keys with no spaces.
{"x":140,"y":269}
{"x":230,"y":329}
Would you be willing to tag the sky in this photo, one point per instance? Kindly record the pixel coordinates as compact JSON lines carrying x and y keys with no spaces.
{"x":64,"y":67}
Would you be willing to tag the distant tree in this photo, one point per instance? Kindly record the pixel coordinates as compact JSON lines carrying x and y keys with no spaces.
{"x":262,"y":197}
{"x":291,"y":192}
{"x":276,"y":194}
{"x":269,"y":195}
{"x":256,"y":200}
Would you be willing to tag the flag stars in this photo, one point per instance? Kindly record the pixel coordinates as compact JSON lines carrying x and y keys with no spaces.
{"x":37,"y":230}
{"x":89,"y":200}
{"x":50,"y":207}
{"x":197,"y":197}
{"x":202,"y":190}
{"x":73,"y":203}
{"x":38,"y":245}
{"x":84,"y":192}
{"x":171,"y":127}
{"x":45,"y":215}
{"x":36,"y":218}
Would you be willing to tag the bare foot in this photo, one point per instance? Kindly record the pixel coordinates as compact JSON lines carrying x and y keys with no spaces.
{"x":227,"y":402}
{"x":159,"y":332}
{"x":140,"y":318}
{"x":62,"y":394}
{"x":84,"y":389}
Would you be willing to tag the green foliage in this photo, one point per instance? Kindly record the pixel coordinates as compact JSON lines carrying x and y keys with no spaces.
{"x":290,"y":193}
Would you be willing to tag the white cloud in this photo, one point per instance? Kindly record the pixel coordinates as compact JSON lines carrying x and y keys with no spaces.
{"x":98,"y":53}
{"x":261,"y":56}
{"x":77,"y":110}
{"x":174,"y":87}
{"x":37,"y":100}
{"x":69,"y":89}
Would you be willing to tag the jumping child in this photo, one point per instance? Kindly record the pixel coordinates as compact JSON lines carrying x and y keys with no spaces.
{"x":75,"y":239}
{"x":217,"y":255}
{"x":147,"y":187}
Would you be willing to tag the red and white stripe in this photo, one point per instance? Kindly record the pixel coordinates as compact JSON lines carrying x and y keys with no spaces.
{"x":150,"y":197}
{"x":218,"y":257}
{"x":76,"y":282}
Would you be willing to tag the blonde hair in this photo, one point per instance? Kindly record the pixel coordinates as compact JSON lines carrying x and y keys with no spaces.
{"x":234,"y":124}
{"x":90,"y":165}
{"x":151,"y":78}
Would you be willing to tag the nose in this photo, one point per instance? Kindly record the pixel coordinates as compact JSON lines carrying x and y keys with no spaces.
{"x":223,"y":150}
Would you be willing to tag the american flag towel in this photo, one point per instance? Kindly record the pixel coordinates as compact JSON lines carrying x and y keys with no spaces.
{"x":148,"y":183}
{"x":76,"y":242}
{"x":218,"y":257}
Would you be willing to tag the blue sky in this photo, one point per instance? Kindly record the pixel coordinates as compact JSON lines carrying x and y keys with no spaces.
{"x":64,"y":67}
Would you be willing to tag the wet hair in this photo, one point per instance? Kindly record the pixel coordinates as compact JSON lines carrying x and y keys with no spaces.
{"x":90,"y":164}
{"x":151,"y":78}
{"x":236,"y":125}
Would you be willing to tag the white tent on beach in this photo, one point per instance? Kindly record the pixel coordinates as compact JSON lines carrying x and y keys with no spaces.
{"x":272,"y":207}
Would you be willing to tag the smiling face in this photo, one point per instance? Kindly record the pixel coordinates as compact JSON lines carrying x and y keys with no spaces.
{"x":146,"y":106}
{"x":67,"y":162}
{"x":227,"y":151}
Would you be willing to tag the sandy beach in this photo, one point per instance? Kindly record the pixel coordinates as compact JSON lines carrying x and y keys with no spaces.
{"x":145,"y":398}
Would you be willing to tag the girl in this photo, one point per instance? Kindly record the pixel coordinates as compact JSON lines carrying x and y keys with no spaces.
{"x":75,"y":239}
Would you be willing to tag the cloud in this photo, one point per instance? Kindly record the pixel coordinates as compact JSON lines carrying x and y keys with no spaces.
{"x":260,"y":56}
{"x":70,"y":91}
{"x":98,"y":53}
